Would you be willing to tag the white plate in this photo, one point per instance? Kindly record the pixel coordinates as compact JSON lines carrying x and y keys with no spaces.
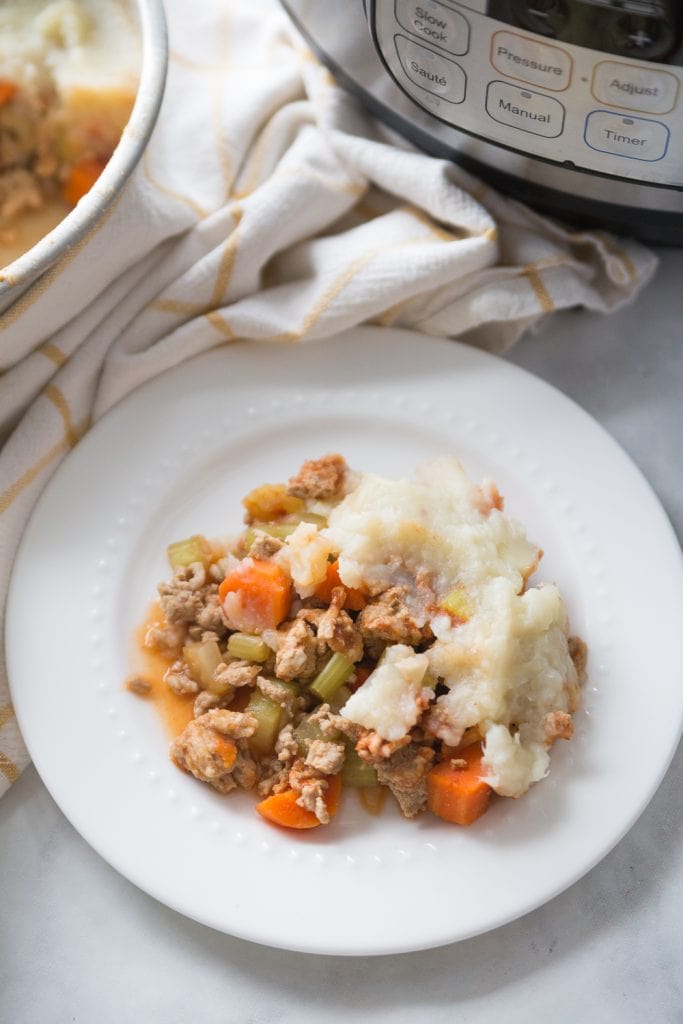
{"x":175,"y":458}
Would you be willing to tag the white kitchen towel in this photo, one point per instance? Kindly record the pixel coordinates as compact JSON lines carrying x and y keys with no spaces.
{"x":268,"y":206}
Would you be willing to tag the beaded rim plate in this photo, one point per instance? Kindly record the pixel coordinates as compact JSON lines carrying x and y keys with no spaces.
{"x":174,"y":458}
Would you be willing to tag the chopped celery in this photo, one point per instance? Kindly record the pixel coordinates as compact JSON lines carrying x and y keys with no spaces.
{"x":281,"y":529}
{"x":192,"y":549}
{"x":308,"y":730}
{"x":267,"y":714}
{"x":356,"y":772}
{"x":248,"y":647}
{"x":458,"y":604}
{"x":332,"y":676}
{"x":314,"y":518}
{"x":202,"y":659}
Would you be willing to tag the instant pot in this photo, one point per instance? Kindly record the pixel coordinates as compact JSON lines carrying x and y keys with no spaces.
{"x":573,"y":106}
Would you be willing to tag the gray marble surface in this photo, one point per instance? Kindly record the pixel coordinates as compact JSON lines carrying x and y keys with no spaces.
{"x":78,"y":943}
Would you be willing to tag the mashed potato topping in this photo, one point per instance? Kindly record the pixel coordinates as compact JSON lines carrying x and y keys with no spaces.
{"x":390,"y":701}
{"x":440,"y":524}
{"x":505,"y":659}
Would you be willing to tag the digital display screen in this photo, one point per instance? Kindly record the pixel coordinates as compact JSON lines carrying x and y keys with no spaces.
{"x":648,"y":30}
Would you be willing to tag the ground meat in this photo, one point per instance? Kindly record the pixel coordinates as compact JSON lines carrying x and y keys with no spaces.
{"x":332,"y":724}
{"x":179,"y":679}
{"x":210,"y":615}
{"x":275,"y":772}
{"x":326,"y":758}
{"x":274,"y":777}
{"x":405,"y":773}
{"x":202,"y":749}
{"x":205,"y":701}
{"x":264,"y":546}
{"x":235,"y":672}
{"x":139,"y":686}
{"x":372,"y":748}
{"x":237,"y":725}
{"x":319,"y":478}
{"x":388,"y":619}
{"x":278,"y":692}
{"x":191,"y":601}
{"x":312,"y":615}
{"x":311,"y":787}
{"x":286,"y":746}
{"x":168,"y":640}
{"x":245,"y":771}
{"x":181,"y":598}
{"x":338,"y":630}
{"x":297,"y":652}
{"x":558,"y":725}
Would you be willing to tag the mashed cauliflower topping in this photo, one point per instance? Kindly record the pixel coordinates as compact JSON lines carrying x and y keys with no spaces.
{"x":506,"y":662}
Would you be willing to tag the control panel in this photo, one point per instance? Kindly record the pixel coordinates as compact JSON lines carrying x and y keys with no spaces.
{"x":536,"y":93}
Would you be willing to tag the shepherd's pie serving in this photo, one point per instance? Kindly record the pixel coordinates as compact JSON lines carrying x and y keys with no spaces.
{"x":365,"y":633}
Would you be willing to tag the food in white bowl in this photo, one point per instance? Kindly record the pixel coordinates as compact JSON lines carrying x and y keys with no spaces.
{"x":69,"y":72}
{"x":364,"y":633}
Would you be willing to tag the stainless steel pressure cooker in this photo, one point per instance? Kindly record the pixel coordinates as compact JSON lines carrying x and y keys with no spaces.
{"x":574,"y":106}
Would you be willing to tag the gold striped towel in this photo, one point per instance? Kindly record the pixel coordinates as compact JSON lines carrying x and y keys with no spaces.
{"x":267,"y":206}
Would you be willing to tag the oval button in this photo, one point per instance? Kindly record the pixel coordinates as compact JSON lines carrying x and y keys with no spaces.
{"x":530,"y":61}
{"x":524,"y":109}
{"x":634,"y":87}
{"x":637,"y":138}
{"x":431,"y":71}
{"x":434,"y":23}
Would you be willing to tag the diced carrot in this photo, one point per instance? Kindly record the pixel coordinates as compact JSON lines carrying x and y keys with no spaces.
{"x":264,"y":590}
{"x":226,"y":750}
{"x":283,"y":809}
{"x":81,"y":178}
{"x":354,"y":600}
{"x":459,"y":794}
{"x":7,"y":91}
